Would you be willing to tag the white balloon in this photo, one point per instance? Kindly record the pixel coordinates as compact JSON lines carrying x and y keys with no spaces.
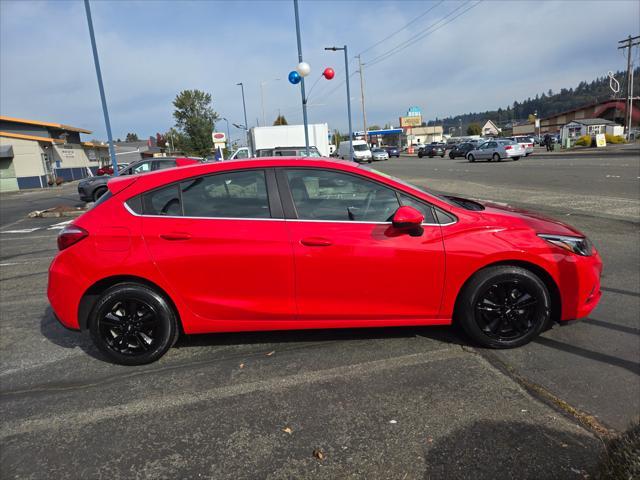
{"x":303,"y":69}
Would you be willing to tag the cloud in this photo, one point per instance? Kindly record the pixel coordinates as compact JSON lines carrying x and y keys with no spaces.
{"x":498,"y":52}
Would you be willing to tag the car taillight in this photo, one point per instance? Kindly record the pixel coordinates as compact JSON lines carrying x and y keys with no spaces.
{"x":70,"y":235}
{"x":507,"y":147}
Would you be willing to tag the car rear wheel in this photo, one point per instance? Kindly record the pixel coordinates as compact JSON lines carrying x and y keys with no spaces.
{"x":98,"y":193}
{"x":516,"y":158}
{"x":419,"y":155}
{"x":496,"y":157}
{"x":452,"y":156}
{"x":131,"y":324}
{"x":503,"y":307}
{"x":471,"y":158}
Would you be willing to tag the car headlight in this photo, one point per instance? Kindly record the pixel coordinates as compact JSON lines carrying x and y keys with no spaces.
{"x":578,"y":245}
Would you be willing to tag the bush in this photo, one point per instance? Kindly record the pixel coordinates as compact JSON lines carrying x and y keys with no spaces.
{"x":614,"y":138}
{"x":621,"y":459}
{"x":584,"y":141}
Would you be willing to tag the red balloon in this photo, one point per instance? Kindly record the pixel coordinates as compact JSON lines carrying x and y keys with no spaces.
{"x":329,"y":73}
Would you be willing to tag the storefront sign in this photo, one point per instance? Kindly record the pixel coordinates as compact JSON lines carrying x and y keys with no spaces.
{"x":413,"y":121}
{"x":601,"y":141}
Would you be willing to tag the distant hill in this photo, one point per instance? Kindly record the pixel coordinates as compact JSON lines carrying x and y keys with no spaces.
{"x":545,"y":104}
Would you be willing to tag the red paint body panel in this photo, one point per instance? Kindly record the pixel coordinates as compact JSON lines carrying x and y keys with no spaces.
{"x":246,"y":274}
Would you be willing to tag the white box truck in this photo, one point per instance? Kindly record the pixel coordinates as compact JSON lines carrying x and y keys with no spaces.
{"x":285,"y":140}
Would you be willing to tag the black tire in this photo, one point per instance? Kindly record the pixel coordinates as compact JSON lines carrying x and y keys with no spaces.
{"x":495,"y":157}
{"x":487,"y":307}
{"x":452,"y":156}
{"x":442,"y":156}
{"x":516,"y":158}
{"x":98,"y":192}
{"x":471,"y":158}
{"x":132,"y":324}
{"x":419,"y":155}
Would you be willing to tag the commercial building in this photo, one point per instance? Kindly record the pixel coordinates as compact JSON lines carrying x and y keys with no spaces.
{"x":36,"y":154}
{"x":420,"y":135}
{"x":590,"y":126}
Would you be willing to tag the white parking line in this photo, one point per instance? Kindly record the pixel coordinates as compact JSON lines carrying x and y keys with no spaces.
{"x":24,"y":230}
{"x":59,"y":226}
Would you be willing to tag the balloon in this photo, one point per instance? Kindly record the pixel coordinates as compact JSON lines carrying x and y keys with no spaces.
{"x":303,"y":69}
{"x":294,"y":77}
{"x":329,"y":73}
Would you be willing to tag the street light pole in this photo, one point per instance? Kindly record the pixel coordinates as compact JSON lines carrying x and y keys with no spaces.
{"x":364,"y":114}
{"x":346,"y":72}
{"x":304,"y":96}
{"x":105,"y":111}
{"x":228,"y":135}
{"x":244,"y":108}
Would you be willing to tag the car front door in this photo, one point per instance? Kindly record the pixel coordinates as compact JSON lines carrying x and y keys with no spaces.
{"x":351,"y":265}
{"x":220,"y":241}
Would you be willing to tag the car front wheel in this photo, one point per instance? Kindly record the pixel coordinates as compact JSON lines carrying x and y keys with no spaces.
{"x":503,"y":307}
{"x":496,"y":157}
{"x":132,"y":324}
{"x":98,"y":193}
{"x":471,"y":158}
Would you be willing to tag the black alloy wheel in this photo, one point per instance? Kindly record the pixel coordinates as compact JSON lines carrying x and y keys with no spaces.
{"x":98,"y":193}
{"x":504,"y":307}
{"x":132,"y":324}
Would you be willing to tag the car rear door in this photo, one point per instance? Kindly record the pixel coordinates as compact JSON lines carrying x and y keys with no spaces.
{"x":351,"y":265}
{"x":221,"y":242}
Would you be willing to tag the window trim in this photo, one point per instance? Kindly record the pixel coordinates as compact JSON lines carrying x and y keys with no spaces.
{"x":290,"y":213}
{"x":273,"y":197}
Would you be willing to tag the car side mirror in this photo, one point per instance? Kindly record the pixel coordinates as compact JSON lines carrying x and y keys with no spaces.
{"x":408,"y":219}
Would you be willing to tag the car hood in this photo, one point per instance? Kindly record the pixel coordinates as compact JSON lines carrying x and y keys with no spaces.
{"x":506,"y":214}
{"x":103,"y":179}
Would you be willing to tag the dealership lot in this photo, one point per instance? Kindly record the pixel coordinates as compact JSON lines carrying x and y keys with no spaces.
{"x":393,"y":403}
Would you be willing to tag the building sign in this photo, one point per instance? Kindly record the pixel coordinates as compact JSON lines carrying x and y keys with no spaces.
{"x":411,"y":121}
{"x":601,"y":140}
{"x":414,"y":112}
{"x":67,"y":153}
{"x":91,"y":154}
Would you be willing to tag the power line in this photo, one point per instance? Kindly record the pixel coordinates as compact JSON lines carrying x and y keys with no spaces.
{"x":426,"y":32}
{"x":399,"y":30}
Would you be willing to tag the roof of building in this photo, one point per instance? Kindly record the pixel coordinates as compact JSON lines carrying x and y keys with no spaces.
{"x":593,"y":121}
{"x":94,"y":145}
{"x":31,"y":137}
{"x":590,"y":105}
{"x":59,"y":126}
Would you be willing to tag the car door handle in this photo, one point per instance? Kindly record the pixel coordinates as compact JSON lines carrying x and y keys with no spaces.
{"x":316,"y":242}
{"x":172,"y":236}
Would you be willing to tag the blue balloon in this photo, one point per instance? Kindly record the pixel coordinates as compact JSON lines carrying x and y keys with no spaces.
{"x":294,"y":77}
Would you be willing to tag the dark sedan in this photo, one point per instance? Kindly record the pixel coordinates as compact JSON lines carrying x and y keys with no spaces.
{"x":92,"y":188}
{"x":393,"y":151}
{"x":433,"y":150}
{"x":461,"y":150}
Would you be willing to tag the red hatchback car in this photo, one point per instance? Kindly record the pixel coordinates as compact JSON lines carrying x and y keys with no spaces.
{"x":274,"y":244}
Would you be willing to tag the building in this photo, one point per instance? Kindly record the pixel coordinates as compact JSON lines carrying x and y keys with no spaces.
{"x":590,"y":126}
{"x":612,"y":109}
{"x":128,"y":152}
{"x":384,"y":136}
{"x":35,"y":154}
{"x":421,"y":135}
{"x":490,"y":129}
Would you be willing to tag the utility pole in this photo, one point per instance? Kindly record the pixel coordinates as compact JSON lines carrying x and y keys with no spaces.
{"x":364,"y":114}
{"x":629,"y":43}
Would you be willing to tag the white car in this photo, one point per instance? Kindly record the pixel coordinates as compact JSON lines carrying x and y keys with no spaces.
{"x":379,"y":154}
{"x":525,"y":142}
{"x":496,"y":150}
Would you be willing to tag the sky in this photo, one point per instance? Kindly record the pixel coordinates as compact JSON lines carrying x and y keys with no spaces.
{"x":459,"y":56}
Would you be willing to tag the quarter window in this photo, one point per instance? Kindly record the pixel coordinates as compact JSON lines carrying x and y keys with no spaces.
{"x":228,"y":195}
{"x":164,"y":201}
{"x":334,"y":196}
{"x":425,"y":209}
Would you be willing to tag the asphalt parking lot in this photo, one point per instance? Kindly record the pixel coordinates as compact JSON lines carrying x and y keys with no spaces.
{"x":389,"y":403}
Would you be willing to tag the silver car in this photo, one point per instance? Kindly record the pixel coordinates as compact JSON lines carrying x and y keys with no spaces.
{"x":525,"y":142}
{"x":496,"y":150}
{"x":379,"y":154}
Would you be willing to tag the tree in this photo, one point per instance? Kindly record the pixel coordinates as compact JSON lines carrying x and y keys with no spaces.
{"x":531,"y":118}
{"x":195,"y":120}
{"x":337,"y":138}
{"x":280,"y":120}
{"x":118,"y":140}
{"x":374,"y":127}
{"x":474,"y":129}
{"x":131,"y":137}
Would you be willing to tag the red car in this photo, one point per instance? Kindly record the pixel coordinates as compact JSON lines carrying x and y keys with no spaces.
{"x":274,"y":244}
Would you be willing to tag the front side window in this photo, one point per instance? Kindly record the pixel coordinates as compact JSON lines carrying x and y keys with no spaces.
{"x":227,"y":195}
{"x":335,"y":196}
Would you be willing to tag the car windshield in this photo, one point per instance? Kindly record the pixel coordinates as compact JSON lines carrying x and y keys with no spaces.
{"x":378,"y":150}
{"x":360,"y":148}
{"x":411,"y":185}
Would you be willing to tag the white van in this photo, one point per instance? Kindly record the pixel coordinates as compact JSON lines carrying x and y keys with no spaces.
{"x":361,"y":152}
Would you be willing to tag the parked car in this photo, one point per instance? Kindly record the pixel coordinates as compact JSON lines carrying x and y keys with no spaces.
{"x":91,"y":189}
{"x":104,"y":170}
{"x":149,"y":274}
{"x":393,"y":151}
{"x":496,"y":150}
{"x":525,"y":142}
{"x":432,"y":150}
{"x":461,"y":150}
{"x":361,"y":151}
{"x":378,"y":154}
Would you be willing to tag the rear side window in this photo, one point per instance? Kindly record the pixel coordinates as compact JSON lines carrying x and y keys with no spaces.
{"x":164,"y":201}
{"x":228,"y":195}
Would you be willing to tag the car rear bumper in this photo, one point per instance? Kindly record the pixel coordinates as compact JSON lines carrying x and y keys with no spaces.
{"x":64,"y":290}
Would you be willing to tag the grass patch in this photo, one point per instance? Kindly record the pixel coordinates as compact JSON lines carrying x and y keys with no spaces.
{"x":621,"y":459}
